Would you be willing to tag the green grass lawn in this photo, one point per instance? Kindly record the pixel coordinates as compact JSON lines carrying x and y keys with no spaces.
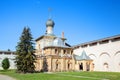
{"x":64,"y":75}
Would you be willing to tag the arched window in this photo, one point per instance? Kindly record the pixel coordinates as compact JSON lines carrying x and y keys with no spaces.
{"x":56,"y":64}
{"x":87,"y":66}
{"x":56,"y":51}
{"x":64,"y":51}
{"x":68,"y":66}
{"x":106,"y":66}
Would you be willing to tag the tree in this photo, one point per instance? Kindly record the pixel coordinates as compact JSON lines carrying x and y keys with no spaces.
{"x":5,"y":64}
{"x":8,"y":50}
{"x":45,"y":66}
{"x":25,"y":58}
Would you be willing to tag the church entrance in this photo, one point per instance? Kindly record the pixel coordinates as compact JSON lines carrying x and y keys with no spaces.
{"x":81,"y":66}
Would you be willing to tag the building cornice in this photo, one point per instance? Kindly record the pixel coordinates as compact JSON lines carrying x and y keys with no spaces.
{"x":99,"y":40}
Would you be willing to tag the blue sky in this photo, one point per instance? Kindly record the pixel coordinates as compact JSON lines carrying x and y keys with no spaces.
{"x":80,"y":20}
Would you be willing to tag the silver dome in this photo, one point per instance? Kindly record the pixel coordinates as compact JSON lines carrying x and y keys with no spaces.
{"x":50,"y":23}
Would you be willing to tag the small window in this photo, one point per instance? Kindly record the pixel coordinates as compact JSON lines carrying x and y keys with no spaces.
{"x":68,"y":65}
{"x":56,"y":66}
{"x":56,"y":51}
{"x":64,"y":52}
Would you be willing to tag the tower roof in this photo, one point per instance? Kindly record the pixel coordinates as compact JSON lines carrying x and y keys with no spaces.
{"x":83,"y":56}
{"x":50,"y":22}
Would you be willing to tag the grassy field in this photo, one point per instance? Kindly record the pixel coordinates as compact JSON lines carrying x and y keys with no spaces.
{"x":64,"y":75}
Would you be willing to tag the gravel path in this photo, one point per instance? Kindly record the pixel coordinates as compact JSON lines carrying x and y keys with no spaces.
{"x":4,"y":77}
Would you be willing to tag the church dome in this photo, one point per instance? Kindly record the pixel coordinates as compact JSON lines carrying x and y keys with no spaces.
{"x":58,"y":42}
{"x":50,"y":23}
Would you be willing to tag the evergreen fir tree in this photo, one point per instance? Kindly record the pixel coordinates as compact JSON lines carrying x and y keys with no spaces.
{"x":25,"y":58}
{"x":5,"y":63}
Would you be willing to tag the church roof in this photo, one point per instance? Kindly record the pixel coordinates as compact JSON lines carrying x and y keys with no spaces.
{"x":44,"y":36}
{"x":58,"y":42}
{"x":65,"y":47}
{"x":83,"y":56}
{"x":7,"y":52}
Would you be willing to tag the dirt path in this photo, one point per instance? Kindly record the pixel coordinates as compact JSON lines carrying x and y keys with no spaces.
{"x":4,"y":77}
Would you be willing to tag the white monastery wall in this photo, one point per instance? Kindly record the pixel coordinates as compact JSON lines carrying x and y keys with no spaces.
{"x":106,"y":56}
{"x":11,"y":58}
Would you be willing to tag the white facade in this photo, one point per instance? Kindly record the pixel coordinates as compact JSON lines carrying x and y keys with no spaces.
{"x":105,"y":53}
{"x":10,"y":55}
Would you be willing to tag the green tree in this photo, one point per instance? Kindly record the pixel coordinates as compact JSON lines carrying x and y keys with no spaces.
{"x":25,"y":58}
{"x":5,"y":64}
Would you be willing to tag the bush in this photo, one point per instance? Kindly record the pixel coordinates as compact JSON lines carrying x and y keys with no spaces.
{"x":5,"y":64}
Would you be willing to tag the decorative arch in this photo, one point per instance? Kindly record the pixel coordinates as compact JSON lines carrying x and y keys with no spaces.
{"x":104,"y":61}
{"x":92,"y":55}
{"x":58,"y":64}
{"x":104,"y":53}
{"x":117,"y":61}
{"x":118,"y":52}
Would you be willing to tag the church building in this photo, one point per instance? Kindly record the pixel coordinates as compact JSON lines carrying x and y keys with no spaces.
{"x":98,"y":55}
{"x":58,"y":54}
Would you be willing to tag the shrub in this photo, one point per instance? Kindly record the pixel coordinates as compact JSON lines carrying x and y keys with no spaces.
{"x":5,"y":64}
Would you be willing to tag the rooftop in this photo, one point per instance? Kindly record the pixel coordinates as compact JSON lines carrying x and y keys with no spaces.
{"x":83,"y":56}
{"x":99,"y":40}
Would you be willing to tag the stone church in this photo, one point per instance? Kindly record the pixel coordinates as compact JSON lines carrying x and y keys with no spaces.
{"x":58,"y":53}
{"x":98,"y":55}
{"x":54,"y":49}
